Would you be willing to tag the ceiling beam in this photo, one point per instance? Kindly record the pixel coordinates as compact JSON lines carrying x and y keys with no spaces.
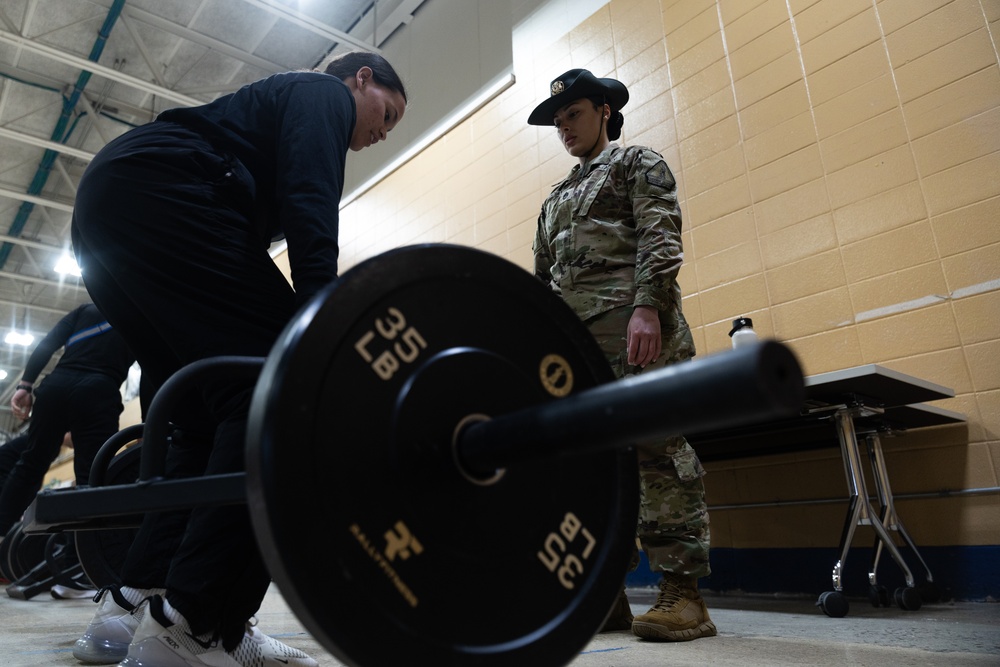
{"x":310,"y":24}
{"x":48,"y":83}
{"x":94,"y":117}
{"x":29,"y":243}
{"x":41,"y":201}
{"x":401,"y":15}
{"x":45,"y":143}
{"x":61,"y":168}
{"x":99,"y":70}
{"x":32,"y":306}
{"x":143,"y":51}
{"x":40,"y":281}
{"x":190,"y":35}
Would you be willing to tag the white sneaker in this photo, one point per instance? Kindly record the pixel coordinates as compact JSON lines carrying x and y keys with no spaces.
{"x":160,"y":643}
{"x":110,"y":632}
{"x":61,"y":592}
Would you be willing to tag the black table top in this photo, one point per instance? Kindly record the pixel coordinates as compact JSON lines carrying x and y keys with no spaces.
{"x":899,"y":395}
{"x":886,"y":387}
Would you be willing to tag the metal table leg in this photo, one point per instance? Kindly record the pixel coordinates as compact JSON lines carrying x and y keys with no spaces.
{"x":888,"y":517}
{"x":860,"y":513}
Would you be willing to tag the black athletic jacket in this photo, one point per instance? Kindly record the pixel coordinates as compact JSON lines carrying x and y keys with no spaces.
{"x":291,"y":132}
{"x":92,"y":346}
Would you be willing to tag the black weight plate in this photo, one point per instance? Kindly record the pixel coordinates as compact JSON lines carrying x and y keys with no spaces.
{"x":59,"y":551}
{"x":385,"y":550}
{"x":26,"y":552}
{"x":13,"y":542}
{"x":102,"y":552}
{"x":5,"y":551}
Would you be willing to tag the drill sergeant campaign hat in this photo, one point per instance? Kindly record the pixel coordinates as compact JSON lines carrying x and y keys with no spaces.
{"x":573,"y":85}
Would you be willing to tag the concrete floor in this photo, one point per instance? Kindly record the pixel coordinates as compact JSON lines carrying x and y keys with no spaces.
{"x":752,"y":631}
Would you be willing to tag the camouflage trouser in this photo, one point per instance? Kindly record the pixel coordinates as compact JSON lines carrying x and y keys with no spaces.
{"x":673,"y":525}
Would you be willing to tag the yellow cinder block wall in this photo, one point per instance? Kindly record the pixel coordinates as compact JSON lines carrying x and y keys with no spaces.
{"x":838,"y":165}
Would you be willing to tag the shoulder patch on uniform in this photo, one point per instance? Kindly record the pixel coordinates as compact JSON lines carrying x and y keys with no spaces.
{"x":660,"y":176}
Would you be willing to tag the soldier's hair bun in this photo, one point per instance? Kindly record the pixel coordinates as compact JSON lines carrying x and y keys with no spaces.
{"x":615,"y":125}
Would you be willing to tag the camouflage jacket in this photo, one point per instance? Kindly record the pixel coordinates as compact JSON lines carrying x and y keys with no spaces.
{"x":609,"y":234}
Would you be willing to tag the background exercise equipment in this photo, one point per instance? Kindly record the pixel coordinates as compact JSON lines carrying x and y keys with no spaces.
{"x":437,"y":413}
{"x":102,"y":552}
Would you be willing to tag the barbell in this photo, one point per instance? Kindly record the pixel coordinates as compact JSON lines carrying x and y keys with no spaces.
{"x":439,"y":460}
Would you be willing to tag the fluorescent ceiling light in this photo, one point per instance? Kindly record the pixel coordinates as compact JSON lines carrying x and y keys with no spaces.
{"x":67,"y":266}
{"x":15,"y":338}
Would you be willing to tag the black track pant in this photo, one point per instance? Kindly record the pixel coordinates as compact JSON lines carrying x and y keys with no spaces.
{"x":87,"y":405}
{"x":10,"y":454}
{"x":162,"y":232}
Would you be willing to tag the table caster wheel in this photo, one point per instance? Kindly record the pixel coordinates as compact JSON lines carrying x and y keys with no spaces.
{"x":878,"y":595}
{"x":833,"y":604}
{"x":908,"y":598}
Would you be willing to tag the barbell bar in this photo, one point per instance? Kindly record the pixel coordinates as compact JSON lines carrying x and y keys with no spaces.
{"x":757,"y":382}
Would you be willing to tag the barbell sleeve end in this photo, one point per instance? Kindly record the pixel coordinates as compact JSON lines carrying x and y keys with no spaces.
{"x":747,"y":385}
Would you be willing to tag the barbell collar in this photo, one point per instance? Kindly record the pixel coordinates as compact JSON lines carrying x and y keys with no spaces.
{"x":754,"y":383}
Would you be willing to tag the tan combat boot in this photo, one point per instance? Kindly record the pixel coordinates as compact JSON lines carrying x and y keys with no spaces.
{"x":620,"y":616}
{"x":678,"y":615}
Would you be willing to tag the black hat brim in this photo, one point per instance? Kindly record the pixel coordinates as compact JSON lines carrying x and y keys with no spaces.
{"x":612,"y":90}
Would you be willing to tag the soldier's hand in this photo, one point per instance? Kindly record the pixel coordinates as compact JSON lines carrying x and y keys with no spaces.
{"x":643,"y":336}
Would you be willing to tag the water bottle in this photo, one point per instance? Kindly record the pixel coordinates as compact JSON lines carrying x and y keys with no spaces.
{"x":742,"y":332}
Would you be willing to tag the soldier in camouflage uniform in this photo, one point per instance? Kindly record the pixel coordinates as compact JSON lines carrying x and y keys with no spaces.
{"x":609,"y":242}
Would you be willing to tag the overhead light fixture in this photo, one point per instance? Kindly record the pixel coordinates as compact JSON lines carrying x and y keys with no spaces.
{"x":16,"y":338}
{"x":67,"y":266}
{"x":3,"y":374}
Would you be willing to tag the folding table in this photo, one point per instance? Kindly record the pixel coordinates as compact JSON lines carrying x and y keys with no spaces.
{"x":866,"y":402}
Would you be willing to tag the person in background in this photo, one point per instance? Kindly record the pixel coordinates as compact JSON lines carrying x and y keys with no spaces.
{"x":10,"y":453}
{"x":172,"y":225}
{"x":76,"y":587}
{"x":609,"y":242}
{"x":81,"y":395}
